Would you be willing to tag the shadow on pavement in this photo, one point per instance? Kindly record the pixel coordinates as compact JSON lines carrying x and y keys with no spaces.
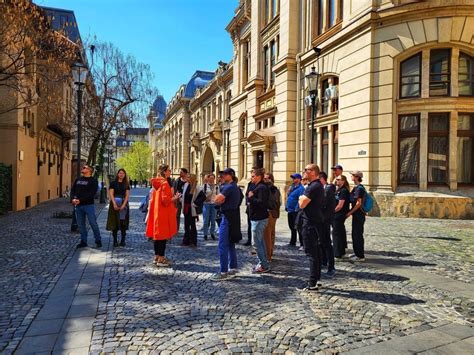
{"x":388,"y":298}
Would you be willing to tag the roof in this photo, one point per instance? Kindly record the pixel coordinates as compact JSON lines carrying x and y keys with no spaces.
{"x":199,"y":80}
{"x":136,"y":131}
{"x":63,"y":21}
{"x":159,"y":108}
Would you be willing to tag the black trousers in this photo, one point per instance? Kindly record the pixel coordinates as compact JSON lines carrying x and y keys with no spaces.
{"x":160,"y":247}
{"x":249,"y":230}
{"x":326,"y":243}
{"x":312,"y":248}
{"x":358,"y":220}
{"x":178,"y":216}
{"x":293,"y":228}
{"x":123,"y":231}
{"x":190,"y":232}
{"x":339,"y":236}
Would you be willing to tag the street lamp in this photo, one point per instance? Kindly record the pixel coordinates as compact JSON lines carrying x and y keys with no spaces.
{"x":79,"y":74}
{"x":312,"y":80}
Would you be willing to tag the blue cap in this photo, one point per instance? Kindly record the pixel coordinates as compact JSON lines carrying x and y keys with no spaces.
{"x":228,"y":171}
{"x":296,"y":176}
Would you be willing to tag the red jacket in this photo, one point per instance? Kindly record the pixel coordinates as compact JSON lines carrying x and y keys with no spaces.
{"x":161,"y":222}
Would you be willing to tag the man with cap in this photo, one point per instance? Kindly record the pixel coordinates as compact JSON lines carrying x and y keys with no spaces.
{"x":358,"y":216}
{"x":229,"y":200}
{"x":82,"y":197}
{"x":337,"y":170}
{"x":294,"y":192}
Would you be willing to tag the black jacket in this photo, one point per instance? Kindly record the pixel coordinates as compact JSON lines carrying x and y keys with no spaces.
{"x":258,"y":203}
{"x":84,"y":189}
{"x":329,"y":204}
{"x":233,"y":217}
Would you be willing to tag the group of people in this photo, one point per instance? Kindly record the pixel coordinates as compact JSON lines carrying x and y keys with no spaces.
{"x":317,"y":210}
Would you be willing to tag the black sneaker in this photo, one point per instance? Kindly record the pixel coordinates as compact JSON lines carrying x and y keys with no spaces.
{"x":122,"y":243}
{"x":81,"y":245}
{"x":213,"y":237}
{"x":205,"y":237}
{"x":98,"y":244}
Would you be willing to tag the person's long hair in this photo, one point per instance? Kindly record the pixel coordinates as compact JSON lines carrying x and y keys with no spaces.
{"x":346,"y":183}
{"x":162,"y":172}
{"x":125,"y":178}
{"x":192,"y":180}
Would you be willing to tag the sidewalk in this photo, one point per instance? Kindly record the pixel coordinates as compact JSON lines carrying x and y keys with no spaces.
{"x":412,"y":298}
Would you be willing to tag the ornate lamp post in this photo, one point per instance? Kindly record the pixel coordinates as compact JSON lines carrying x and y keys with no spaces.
{"x":312,"y":80}
{"x":79,"y":74}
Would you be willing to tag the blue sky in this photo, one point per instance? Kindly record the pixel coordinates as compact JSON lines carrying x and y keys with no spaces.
{"x":175,"y":37}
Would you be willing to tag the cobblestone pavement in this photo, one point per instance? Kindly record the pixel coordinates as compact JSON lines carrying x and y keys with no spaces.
{"x":35,"y":249}
{"x":396,"y":294}
{"x":144,"y":308}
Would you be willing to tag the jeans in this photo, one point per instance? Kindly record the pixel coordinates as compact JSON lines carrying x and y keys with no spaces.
{"x":358,"y":220}
{"x":339,"y":236}
{"x":209,"y":216}
{"x":226,"y":247}
{"x":312,"y":248}
{"x":326,"y":243}
{"x":258,"y":228}
{"x":81,"y":213}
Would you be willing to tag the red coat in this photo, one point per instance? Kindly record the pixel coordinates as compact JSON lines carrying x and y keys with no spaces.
{"x":161,"y":222}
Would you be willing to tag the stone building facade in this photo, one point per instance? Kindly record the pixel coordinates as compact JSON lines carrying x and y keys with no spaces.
{"x":395,"y":99}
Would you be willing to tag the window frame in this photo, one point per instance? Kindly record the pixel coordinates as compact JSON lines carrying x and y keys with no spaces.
{"x":431,"y":134}
{"x":447,"y":74}
{"x":420,"y":76}
{"x":408,"y":134}
{"x":465,"y":133}
{"x":470,"y":71}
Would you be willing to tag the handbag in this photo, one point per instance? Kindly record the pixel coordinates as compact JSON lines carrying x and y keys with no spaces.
{"x":200,"y":199}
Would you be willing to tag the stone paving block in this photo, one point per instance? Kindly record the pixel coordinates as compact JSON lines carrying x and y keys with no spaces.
{"x":85,"y":300}
{"x":76,"y":351}
{"x":88,"y":290}
{"x":42,"y":327}
{"x":37,"y":344}
{"x":86,"y":310}
{"x":457,"y":330}
{"x":73,"y":340}
{"x":77,"y":324}
{"x":56,"y":311}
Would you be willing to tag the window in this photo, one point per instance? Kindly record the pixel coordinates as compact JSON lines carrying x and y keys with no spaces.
{"x":465,"y":149}
{"x":331,"y":13}
{"x":466,"y":75}
{"x":410,"y":77}
{"x":438,"y":145}
{"x":247,"y":65}
{"x":274,"y":8}
{"x":439,"y":72}
{"x":315,"y":145}
{"x":325,"y":149}
{"x":321,"y":16}
{"x":329,"y":99}
{"x":408,"y":149}
{"x":325,"y":101}
{"x":271,"y":10}
{"x":335,"y":144}
{"x":272,"y":62}
{"x":265,"y":68}
{"x":272,"y":121}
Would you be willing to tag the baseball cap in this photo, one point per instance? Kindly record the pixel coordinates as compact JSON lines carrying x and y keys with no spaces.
{"x":296,"y":176}
{"x":228,"y":171}
{"x":357,"y":173}
{"x":337,"y":166}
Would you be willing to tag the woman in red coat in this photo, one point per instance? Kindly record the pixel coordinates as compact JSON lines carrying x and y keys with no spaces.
{"x":161,"y":223}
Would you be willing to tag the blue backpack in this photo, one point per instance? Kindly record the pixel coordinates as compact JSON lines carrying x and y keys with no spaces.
{"x":367,"y":202}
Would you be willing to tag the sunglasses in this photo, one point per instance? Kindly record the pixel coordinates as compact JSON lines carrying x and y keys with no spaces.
{"x":308,"y":169}
{"x":338,"y":179}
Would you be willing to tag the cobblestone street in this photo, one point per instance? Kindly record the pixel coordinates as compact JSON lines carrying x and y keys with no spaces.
{"x":413,"y":294}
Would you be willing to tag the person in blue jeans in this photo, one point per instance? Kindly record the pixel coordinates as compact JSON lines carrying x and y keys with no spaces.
{"x":258,"y":213}
{"x":294,"y":192}
{"x":209,"y":212}
{"x":82,"y":197}
{"x":229,"y":200}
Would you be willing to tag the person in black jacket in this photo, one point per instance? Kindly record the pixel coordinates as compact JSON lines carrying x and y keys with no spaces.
{"x":250,"y":187}
{"x":82,"y":197}
{"x":178,"y":185}
{"x":258,"y":213}
{"x":311,"y":203}
{"x":329,"y":206}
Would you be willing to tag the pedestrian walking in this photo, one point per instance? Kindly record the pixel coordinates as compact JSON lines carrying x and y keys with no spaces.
{"x":118,"y":216}
{"x":161,"y":224}
{"x":329,"y":205}
{"x":211,"y":190}
{"x":189,"y":211}
{"x":258,"y":212}
{"x":294,"y":192}
{"x":250,"y":187}
{"x":339,"y":235}
{"x":358,"y":216}
{"x":311,"y":203}
{"x":178,"y":185}
{"x":229,"y":200}
{"x":82,"y":197}
{"x":273,"y":214}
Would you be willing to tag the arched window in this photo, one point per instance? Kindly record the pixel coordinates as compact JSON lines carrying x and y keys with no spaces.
{"x":410,"y":77}
{"x":466,"y":75}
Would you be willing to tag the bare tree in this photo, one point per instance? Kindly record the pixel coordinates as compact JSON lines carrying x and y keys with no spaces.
{"x":123,"y":92}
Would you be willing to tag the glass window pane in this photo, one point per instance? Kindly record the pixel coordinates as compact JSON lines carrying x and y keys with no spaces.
{"x":410,"y":77}
{"x":465,"y":122}
{"x":465,"y":150}
{"x":466,"y":75}
{"x":315,"y":146}
{"x":439,"y":72}
{"x":332,"y":12}
{"x":439,"y":122}
{"x":408,"y":160}
{"x":409,"y":123}
{"x":438,"y":159}
{"x":321,"y":16}
{"x":325,"y":157}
